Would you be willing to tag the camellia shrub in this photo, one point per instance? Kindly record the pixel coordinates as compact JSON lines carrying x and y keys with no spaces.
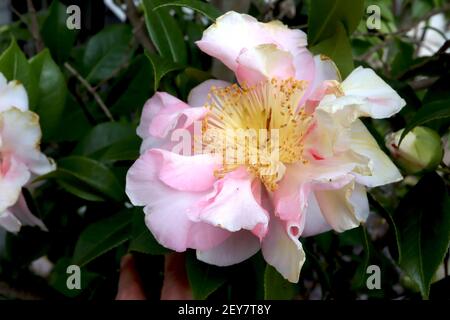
{"x":224,"y":149}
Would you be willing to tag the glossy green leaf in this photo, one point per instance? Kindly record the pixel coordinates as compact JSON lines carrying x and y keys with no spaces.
{"x":276,"y":287}
{"x":14,"y":66}
{"x":433,"y":111}
{"x":423,"y":223}
{"x":326,"y":15}
{"x":57,"y":37}
{"x":161,"y":67}
{"x":338,"y":48}
{"x":102,"y":136}
{"x":102,"y":236}
{"x":204,"y":8}
{"x":52,"y":92}
{"x":134,"y":88}
{"x":107,"y":52}
{"x":165,"y":33}
{"x":203,"y":278}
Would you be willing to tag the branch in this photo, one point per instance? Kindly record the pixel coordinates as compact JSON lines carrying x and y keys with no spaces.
{"x":34,"y":27}
{"x":90,"y":89}
{"x":138,"y":23}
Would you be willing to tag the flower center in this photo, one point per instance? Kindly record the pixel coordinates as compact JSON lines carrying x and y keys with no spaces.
{"x":261,"y":127}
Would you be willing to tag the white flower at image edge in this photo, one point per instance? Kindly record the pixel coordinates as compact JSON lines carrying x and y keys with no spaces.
{"x":20,"y":157}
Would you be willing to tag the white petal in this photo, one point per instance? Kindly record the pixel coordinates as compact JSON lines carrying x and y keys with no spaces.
{"x":282,"y":251}
{"x":383,"y":169}
{"x":12,"y":95}
{"x":344,"y":208}
{"x":21,"y":136}
{"x":9,"y":222}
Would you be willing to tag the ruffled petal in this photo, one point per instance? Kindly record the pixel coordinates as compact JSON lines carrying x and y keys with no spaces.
{"x":12,"y":94}
{"x":383,"y":170}
{"x":21,"y":135}
{"x":232,"y":204}
{"x":13,"y":176}
{"x":365,"y":94}
{"x":283,"y":251}
{"x":186,"y":173}
{"x":166,"y":208}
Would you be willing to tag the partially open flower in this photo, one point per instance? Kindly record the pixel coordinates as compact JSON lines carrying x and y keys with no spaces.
{"x":421,"y":149}
{"x":280,"y":155}
{"x":20,"y":156}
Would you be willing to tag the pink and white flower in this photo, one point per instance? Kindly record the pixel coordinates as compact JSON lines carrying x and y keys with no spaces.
{"x":20,"y":156}
{"x":228,"y":210}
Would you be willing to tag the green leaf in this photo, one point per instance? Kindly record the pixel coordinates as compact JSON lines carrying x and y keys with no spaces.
{"x":204,"y":8}
{"x":203,"y":278}
{"x":429,"y":112}
{"x":86,"y":178}
{"x":58,"y":278}
{"x":14,"y":66}
{"x":142,"y":240}
{"x":123,"y":150}
{"x":134,"y":88}
{"x":102,"y":136}
{"x":165,"y":32}
{"x":102,"y":236}
{"x":52,"y":92}
{"x":423,"y":223}
{"x":106,"y":52}
{"x":326,"y":15}
{"x":338,"y":48}
{"x":57,"y":37}
{"x":276,"y":287}
{"x":161,"y":67}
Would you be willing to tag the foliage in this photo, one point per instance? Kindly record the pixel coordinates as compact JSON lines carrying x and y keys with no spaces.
{"x":83,"y":203}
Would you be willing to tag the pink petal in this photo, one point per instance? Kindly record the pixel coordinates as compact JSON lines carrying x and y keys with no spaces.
{"x":238,"y":247}
{"x":162,"y":114}
{"x":232,"y":204}
{"x":23,"y":213}
{"x":199,"y":95}
{"x":13,"y":176}
{"x":12,"y":94}
{"x":166,"y":208}
{"x":186,"y":173}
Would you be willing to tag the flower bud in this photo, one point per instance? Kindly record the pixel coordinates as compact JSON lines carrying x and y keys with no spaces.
{"x":421,"y":149}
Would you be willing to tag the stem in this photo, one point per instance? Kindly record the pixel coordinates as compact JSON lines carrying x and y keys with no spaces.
{"x":138,"y":23}
{"x":34,"y":27}
{"x":91,"y":90}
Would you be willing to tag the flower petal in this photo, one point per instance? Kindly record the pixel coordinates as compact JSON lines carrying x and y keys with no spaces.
{"x":383,"y":169}
{"x":161,"y":115}
{"x":12,"y":94}
{"x":232,"y":204}
{"x":186,"y":173}
{"x":166,"y":208}
{"x":233,"y":32}
{"x":283,"y":251}
{"x":238,"y":247}
{"x":199,"y":95}
{"x":13,"y":176}
{"x":9,"y":221}
{"x":21,"y":135}
{"x":343,"y":208}
{"x":365,"y":95}
{"x":23,"y":213}
{"x":263,"y":62}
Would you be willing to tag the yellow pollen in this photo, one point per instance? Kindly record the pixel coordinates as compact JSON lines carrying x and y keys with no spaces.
{"x":260,"y":126}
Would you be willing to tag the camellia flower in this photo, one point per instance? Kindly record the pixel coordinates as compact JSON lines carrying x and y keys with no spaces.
{"x":20,"y":156}
{"x":229,"y":197}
